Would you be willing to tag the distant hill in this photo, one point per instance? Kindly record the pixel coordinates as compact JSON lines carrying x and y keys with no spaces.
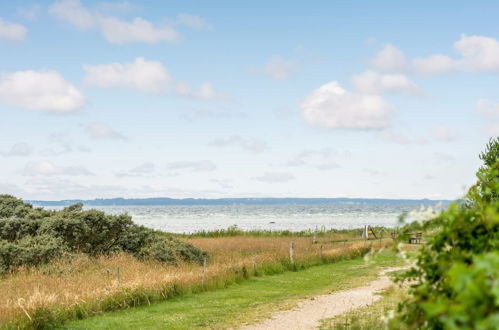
{"x":229,"y":201}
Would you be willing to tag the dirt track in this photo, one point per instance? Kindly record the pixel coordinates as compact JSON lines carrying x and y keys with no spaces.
{"x":308,"y":314}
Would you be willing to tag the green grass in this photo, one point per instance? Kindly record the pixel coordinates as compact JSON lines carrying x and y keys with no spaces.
{"x":245,"y":302}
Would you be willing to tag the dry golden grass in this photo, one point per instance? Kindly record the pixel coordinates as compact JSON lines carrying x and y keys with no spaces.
{"x":83,"y":279}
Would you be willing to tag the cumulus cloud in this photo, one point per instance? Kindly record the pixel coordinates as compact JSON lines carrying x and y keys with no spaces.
{"x":61,"y":145}
{"x":434,"y":64}
{"x":390,"y":59}
{"x":40,"y":90}
{"x":249,"y":144}
{"x":477,"y":54}
{"x":278,"y":68}
{"x":20,"y":149}
{"x":46,"y":168}
{"x":275,"y":177}
{"x":331,"y":106}
{"x":143,"y":75}
{"x":372,"y":82}
{"x":73,"y":12}
{"x":487,"y":108}
{"x":118,"y":31}
{"x":104,"y":131}
{"x":12,"y":31}
{"x":194,"y":166}
{"x":445,"y":134}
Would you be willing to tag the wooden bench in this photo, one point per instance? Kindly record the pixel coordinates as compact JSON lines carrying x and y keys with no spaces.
{"x":416,"y":238}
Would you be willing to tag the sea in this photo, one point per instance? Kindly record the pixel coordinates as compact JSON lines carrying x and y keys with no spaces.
{"x":294,"y":217}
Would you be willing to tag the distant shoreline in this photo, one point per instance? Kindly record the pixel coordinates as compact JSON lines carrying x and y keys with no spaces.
{"x":162,"y":201}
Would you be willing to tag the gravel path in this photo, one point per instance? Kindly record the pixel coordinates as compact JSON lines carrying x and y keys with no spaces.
{"x":308,"y":314}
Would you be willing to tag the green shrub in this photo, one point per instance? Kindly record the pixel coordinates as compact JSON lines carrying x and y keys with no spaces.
{"x":455,"y":282}
{"x":34,"y":236}
{"x":30,"y":251}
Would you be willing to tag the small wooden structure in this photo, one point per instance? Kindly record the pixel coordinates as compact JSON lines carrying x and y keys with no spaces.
{"x":415,"y":238}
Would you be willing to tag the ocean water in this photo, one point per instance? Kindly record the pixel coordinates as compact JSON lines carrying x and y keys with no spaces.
{"x":295,"y":217}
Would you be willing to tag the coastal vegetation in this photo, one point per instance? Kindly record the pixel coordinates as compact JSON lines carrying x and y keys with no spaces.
{"x":454,"y":283}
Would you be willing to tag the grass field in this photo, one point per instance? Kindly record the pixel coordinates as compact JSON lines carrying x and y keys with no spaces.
{"x":84,"y":286}
{"x":245,"y":302}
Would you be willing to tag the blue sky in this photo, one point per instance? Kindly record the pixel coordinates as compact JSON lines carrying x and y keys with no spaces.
{"x":230,"y":99}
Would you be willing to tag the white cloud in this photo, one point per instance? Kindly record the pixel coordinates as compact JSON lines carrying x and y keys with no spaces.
{"x":333,"y":107}
{"x":390,"y":59}
{"x":435,"y":64}
{"x":20,"y":149}
{"x":103,"y":131}
{"x":45,"y":168}
{"x":194,"y":166}
{"x":116,"y":30}
{"x":278,"y":68}
{"x":12,"y":31}
{"x":487,"y":108}
{"x":372,"y":82}
{"x":192,"y":21}
{"x":478,"y":54}
{"x":399,"y":138}
{"x":249,"y":144}
{"x":275,"y":177}
{"x":143,"y":75}
{"x":73,"y":12}
{"x":445,"y":134}
{"x":40,"y":90}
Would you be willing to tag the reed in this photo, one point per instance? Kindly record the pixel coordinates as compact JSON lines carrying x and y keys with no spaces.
{"x":83,"y":286}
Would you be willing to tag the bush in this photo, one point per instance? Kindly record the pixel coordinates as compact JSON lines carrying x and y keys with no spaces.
{"x":455,"y":279}
{"x":30,"y":237}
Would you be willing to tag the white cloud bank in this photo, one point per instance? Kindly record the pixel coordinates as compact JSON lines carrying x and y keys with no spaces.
{"x":476,"y":54}
{"x":145,"y":76}
{"x":118,"y":31}
{"x":275,"y":177}
{"x":331,"y":106}
{"x":372,"y":82}
{"x":40,"y":90}
{"x":12,"y":31}
{"x":142,"y":75}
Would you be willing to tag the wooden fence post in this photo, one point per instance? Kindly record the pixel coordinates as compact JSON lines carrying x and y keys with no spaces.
{"x":291,"y":252}
{"x":119,"y":276}
{"x":254,"y":261}
{"x":203,"y":271}
{"x":314,"y":238}
{"x":322,"y":247}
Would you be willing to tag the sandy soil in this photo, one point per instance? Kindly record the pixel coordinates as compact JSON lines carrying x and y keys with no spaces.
{"x":307,"y":314}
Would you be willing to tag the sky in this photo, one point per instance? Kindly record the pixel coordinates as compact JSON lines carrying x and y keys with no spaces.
{"x":210,"y":99}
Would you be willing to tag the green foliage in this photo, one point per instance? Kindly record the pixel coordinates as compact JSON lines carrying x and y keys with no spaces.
{"x":33,"y":236}
{"x":455,"y":281}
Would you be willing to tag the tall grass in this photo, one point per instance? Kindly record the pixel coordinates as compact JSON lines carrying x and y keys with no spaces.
{"x":84,"y":286}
